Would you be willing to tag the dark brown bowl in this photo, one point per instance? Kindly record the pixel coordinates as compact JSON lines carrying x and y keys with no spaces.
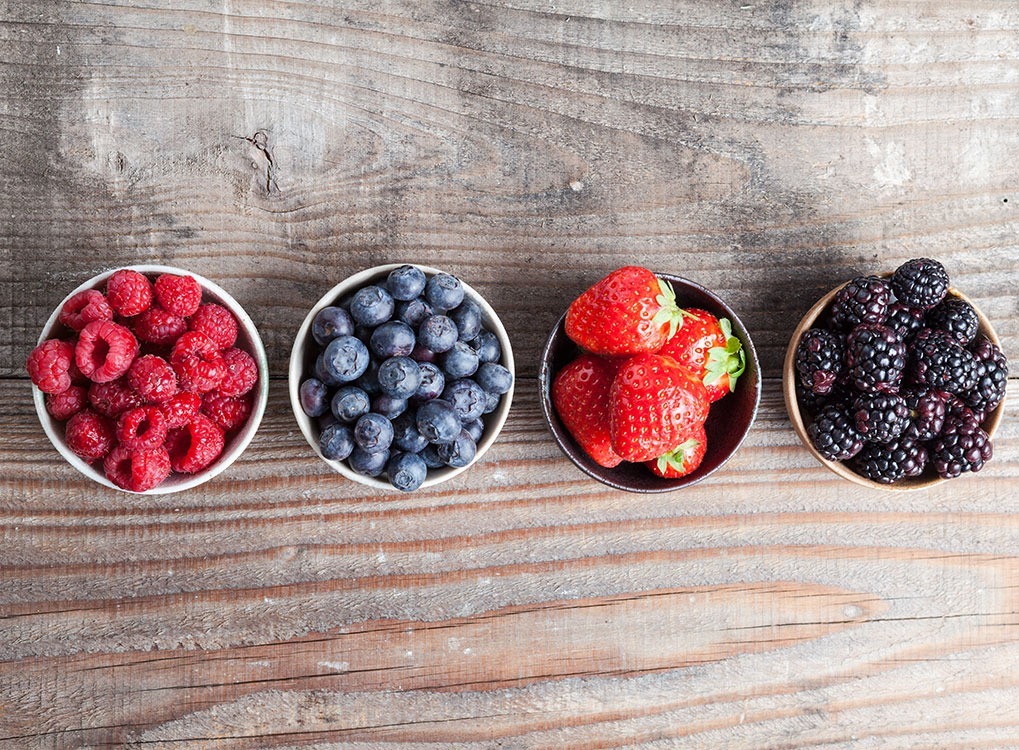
{"x":728,"y":421}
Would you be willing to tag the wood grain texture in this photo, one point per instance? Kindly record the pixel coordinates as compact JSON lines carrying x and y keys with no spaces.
{"x":767,"y":150}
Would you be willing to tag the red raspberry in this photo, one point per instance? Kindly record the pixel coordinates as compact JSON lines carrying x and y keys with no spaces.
{"x":153,"y":379}
{"x":181,"y":295}
{"x":51,"y":365}
{"x":160,"y":327}
{"x":216,"y":322}
{"x":83,"y":308}
{"x":194,"y":446}
{"x":227,"y":412}
{"x":144,"y":427}
{"x":89,"y":435}
{"x":241,"y":373}
{"x":129,"y":292}
{"x":137,"y":470}
{"x":66,"y":404}
{"x":198,"y":363}
{"x":114,"y":398}
{"x":181,"y":409}
{"x":105,"y":350}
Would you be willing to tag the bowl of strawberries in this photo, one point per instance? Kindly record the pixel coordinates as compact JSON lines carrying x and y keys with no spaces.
{"x":649,"y":382}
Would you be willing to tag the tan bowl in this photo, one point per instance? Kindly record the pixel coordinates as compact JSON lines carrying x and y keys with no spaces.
{"x":801,"y":420}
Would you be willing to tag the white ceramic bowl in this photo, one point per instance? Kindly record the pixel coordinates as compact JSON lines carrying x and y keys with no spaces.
{"x":247,"y":339}
{"x":305,"y":350}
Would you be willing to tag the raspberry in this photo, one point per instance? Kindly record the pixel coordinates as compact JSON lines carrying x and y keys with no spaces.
{"x":51,"y":365}
{"x":194,"y":446}
{"x":241,"y":373}
{"x":181,"y":409}
{"x":83,"y":308}
{"x":198,"y":363}
{"x":129,"y":292}
{"x":181,"y":295}
{"x":89,"y":435}
{"x":227,"y":412}
{"x":105,"y":350}
{"x":160,"y":327}
{"x":153,"y":379}
{"x":142,"y":428}
{"x":67,"y":403}
{"x":114,"y":398}
{"x":216,"y":322}
{"x":137,"y":470}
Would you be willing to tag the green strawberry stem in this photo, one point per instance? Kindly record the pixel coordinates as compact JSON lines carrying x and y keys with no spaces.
{"x":677,"y":458}
{"x":728,"y":360}
{"x":668,"y":311}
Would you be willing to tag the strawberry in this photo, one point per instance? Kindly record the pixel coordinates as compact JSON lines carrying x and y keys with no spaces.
{"x":682,"y":460}
{"x":706,"y":345}
{"x":655,"y":403}
{"x":580,"y":393}
{"x":628,"y":312}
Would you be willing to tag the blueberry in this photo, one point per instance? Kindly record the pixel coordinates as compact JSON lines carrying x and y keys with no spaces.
{"x":475,"y":429}
{"x":420,"y":354}
{"x":350,"y":403}
{"x":369,"y":464}
{"x":331,"y":322}
{"x":369,"y":381}
{"x":493,"y":403}
{"x":444,"y":292}
{"x":461,"y":361}
{"x":467,"y":317}
{"x":437,"y":333}
{"x":345,"y":359}
{"x":326,"y":420}
{"x":487,"y":346}
{"x":394,"y":338}
{"x":399,"y":377}
{"x":432,"y":382}
{"x":371,"y":306}
{"x":406,"y":436}
{"x":406,"y":471}
{"x":494,"y":378}
{"x":314,"y":397}
{"x":467,"y":397}
{"x":406,"y":282}
{"x":336,"y":442}
{"x":460,"y":452}
{"x":413,"y":312}
{"x":373,"y":433}
{"x":321,"y":373}
{"x":437,"y":421}
{"x":430,"y":455}
{"x":388,"y":406}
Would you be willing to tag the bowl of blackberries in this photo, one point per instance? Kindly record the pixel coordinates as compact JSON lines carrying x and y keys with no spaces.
{"x":896,"y":380}
{"x":401,"y":376}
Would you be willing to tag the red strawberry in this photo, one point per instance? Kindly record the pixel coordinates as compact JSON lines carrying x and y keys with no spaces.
{"x":682,"y":460}
{"x":655,"y":403}
{"x":580,"y":393}
{"x":628,"y":312}
{"x":706,"y":345}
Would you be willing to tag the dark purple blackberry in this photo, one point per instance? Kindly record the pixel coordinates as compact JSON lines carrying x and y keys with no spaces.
{"x":954,"y":453}
{"x":941,"y":363}
{"x":880,"y":417}
{"x":991,"y":377}
{"x":912,"y":455}
{"x":812,"y":403}
{"x":819,"y":359}
{"x":959,"y":417}
{"x":957,"y":317}
{"x":927,"y":411}
{"x":889,"y":462}
{"x":921,"y":283}
{"x":875,"y":358}
{"x":834,"y":434}
{"x":904,"y":320}
{"x":865,"y":299}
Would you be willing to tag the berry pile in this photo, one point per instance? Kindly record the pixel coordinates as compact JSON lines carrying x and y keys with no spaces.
{"x":641,"y":387}
{"x":899,"y":382}
{"x":404,"y":374}
{"x":146,"y":377}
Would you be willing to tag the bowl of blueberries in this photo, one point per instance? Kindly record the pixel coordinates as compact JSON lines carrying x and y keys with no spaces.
{"x":401,"y":376}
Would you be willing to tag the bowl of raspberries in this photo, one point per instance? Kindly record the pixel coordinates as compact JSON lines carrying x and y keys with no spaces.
{"x":896,"y":381}
{"x":149,"y":379}
{"x":649,"y":382}
{"x":401,"y":377}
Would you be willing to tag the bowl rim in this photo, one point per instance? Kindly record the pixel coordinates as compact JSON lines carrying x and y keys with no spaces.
{"x":296,"y":370}
{"x":907,"y":484}
{"x":233,"y":449}
{"x":561,"y":435}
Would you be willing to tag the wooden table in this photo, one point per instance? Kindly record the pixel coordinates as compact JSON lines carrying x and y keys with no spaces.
{"x":765,"y":149}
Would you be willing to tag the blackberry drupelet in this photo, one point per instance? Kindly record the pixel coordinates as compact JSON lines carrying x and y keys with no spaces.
{"x":927,"y":409}
{"x":819,"y":359}
{"x":957,"y":317}
{"x":921,"y":283}
{"x":880,"y":417}
{"x":955,"y":453}
{"x":864,"y":299}
{"x":875,"y":358}
{"x":941,"y":363}
{"x":905,"y":320}
{"x":834,"y":434}
{"x":991,"y":377}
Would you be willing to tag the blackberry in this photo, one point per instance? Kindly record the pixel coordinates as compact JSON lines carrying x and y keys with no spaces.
{"x":941,"y":363}
{"x":959,"y":417}
{"x":834,"y":434}
{"x":957,"y":317}
{"x":927,"y":409}
{"x":921,"y":283}
{"x":991,"y":377}
{"x":864,"y":299}
{"x":875,"y":358}
{"x":819,"y":359}
{"x":955,"y":453}
{"x":889,"y":462}
{"x":905,"y":320}
{"x":880,"y":417}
